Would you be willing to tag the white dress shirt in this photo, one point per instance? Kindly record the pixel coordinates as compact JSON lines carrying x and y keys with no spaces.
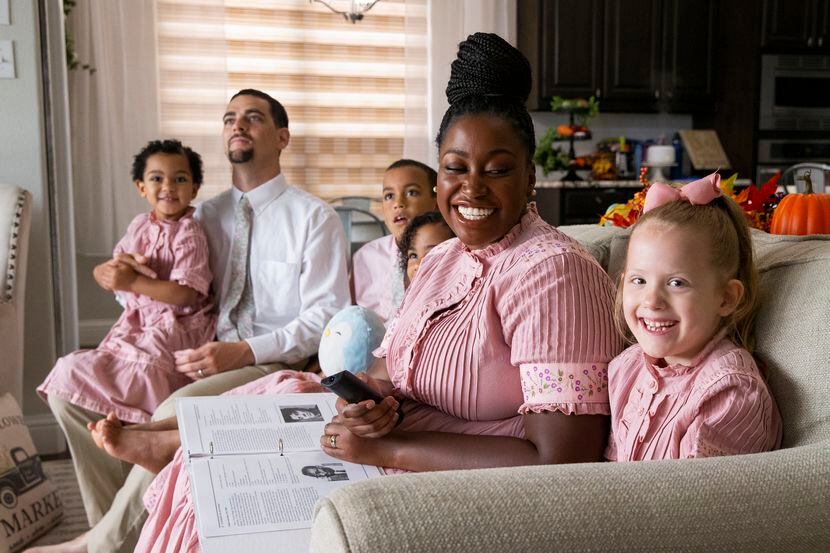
{"x":297,"y":264}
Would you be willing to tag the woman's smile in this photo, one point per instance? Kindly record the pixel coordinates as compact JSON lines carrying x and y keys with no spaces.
{"x":474,"y":213}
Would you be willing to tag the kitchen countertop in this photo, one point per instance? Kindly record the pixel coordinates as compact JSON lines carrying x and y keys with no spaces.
{"x":588,"y":184}
{"x":543,"y":183}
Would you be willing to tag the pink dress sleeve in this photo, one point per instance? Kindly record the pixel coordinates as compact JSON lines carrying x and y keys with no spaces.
{"x":191,"y":261}
{"x":559,"y":323}
{"x":736,"y":415}
{"x":128,"y":242}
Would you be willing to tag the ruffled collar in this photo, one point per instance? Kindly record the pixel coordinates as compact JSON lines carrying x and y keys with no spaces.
{"x":679,"y":368}
{"x":491,"y":250}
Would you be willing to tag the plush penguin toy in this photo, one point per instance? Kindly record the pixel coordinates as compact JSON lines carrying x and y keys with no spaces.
{"x":349,"y":339}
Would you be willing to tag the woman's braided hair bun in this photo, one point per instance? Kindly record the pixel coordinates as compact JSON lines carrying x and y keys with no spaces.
{"x":490,"y":77}
{"x":487,"y":65}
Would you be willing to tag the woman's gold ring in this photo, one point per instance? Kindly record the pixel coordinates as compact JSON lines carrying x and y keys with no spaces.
{"x":201,"y":373}
{"x":333,"y":441}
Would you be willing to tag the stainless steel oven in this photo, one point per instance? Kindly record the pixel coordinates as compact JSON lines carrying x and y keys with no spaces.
{"x":778,"y":154}
{"x":795,"y":92}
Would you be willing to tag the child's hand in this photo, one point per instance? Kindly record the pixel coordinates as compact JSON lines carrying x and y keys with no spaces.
{"x":114,"y":275}
{"x":137,"y":262}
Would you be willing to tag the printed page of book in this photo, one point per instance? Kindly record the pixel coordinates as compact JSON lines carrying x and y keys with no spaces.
{"x":234,"y":424}
{"x":242,"y":494}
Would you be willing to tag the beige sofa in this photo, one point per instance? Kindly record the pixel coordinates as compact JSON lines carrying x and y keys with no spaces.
{"x":15,"y":220}
{"x":778,"y":501}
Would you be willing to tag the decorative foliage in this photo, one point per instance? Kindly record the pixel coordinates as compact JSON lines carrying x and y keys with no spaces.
{"x":582,"y":108}
{"x":554,"y":158}
{"x":758,"y":203}
{"x":625,"y":215}
{"x":72,"y":61}
{"x":548,"y":156}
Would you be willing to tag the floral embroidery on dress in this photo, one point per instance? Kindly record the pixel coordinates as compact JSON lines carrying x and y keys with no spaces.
{"x":546,"y":249}
{"x":705,"y":449}
{"x":565,"y":382}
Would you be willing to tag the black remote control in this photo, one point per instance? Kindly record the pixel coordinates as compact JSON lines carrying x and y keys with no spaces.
{"x":350,"y":387}
{"x":354,"y":390}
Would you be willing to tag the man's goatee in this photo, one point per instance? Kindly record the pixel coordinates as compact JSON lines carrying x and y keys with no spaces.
{"x":240,"y":156}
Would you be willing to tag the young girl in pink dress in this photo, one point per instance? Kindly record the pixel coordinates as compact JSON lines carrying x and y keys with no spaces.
{"x":689,"y":387}
{"x":166,"y":308}
{"x":377,"y":280}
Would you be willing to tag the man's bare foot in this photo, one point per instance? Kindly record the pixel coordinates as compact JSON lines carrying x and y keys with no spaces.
{"x":147,"y":448}
{"x":78,"y":545}
{"x":97,"y":428}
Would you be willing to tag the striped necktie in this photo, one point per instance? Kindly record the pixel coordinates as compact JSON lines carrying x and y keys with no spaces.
{"x":236,"y":311}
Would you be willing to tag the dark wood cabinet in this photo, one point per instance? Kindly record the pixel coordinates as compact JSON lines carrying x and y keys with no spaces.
{"x":631,"y":56}
{"x":579,"y":206}
{"x":823,"y":24}
{"x":634,"y":55}
{"x":571,"y":43}
{"x":688,"y":52}
{"x":796,"y":25}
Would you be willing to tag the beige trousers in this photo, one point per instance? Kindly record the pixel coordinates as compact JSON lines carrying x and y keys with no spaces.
{"x":112,"y":491}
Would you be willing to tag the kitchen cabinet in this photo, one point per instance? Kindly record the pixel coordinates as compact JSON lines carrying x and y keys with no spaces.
{"x":631,"y":56}
{"x":571,"y":48}
{"x":634,"y":55}
{"x":796,"y":25}
{"x":688,"y":55}
{"x":579,"y":206}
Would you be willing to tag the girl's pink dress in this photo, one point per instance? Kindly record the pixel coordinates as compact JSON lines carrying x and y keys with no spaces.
{"x":132,"y":370}
{"x":483,"y":336}
{"x":718,"y":405}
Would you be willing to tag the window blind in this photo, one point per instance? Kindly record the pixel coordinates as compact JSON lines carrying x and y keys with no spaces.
{"x":343,"y":85}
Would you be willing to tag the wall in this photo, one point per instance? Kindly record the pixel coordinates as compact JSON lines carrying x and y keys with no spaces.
{"x":23,"y":163}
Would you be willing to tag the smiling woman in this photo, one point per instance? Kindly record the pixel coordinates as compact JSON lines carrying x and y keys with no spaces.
{"x":505,"y":331}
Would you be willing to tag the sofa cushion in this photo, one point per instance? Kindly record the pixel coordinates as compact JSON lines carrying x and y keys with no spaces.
{"x":595,"y":239}
{"x":793,"y":326}
{"x":793,"y":330}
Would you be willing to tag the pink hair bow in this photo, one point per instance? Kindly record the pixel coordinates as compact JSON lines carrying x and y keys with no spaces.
{"x":699,"y":192}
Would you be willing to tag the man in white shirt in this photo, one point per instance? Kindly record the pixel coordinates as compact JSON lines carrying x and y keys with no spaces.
{"x":297,"y":280}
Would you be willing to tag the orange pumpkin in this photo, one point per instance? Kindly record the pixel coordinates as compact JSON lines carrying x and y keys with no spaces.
{"x":806,"y":213}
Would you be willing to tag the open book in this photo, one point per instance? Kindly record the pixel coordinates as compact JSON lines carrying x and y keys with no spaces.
{"x":256,"y":468}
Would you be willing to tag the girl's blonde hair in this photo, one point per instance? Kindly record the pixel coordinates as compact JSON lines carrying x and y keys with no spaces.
{"x":723,"y":224}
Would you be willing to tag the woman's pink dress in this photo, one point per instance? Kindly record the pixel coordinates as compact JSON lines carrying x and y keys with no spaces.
{"x":132,"y":370}
{"x":483,"y":336}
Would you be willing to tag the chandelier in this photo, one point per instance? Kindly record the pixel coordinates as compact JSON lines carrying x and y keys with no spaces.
{"x":356,"y":8}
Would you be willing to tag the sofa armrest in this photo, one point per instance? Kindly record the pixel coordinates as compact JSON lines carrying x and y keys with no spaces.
{"x":778,"y":501}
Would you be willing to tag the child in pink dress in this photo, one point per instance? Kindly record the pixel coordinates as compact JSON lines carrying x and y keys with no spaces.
{"x":132,"y":370}
{"x":688,"y":294}
{"x":377,"y":279}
